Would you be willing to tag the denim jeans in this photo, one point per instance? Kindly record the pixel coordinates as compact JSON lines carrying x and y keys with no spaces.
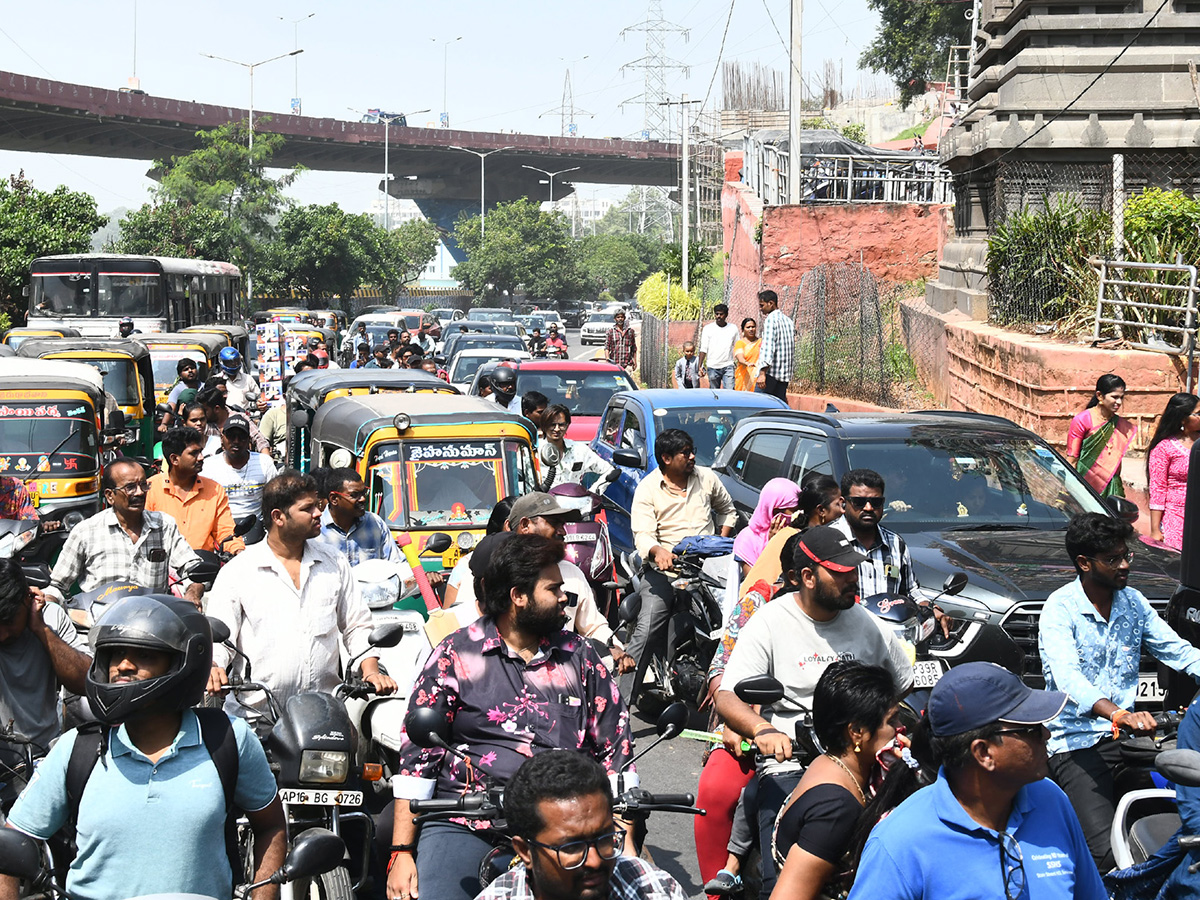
{"x":448,"y":858}
{"x":721,"y":378}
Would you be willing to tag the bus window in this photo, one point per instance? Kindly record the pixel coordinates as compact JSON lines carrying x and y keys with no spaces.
{"x":130,"y":295}
{"x":62,"y":295}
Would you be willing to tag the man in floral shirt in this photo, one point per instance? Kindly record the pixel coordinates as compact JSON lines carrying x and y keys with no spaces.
{"x":511,"y":685}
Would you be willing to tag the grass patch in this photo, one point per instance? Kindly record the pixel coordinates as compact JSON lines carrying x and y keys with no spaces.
{"x":916,"y":131}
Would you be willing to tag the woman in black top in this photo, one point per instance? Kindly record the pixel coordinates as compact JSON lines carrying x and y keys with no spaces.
{"x":854,"y":717}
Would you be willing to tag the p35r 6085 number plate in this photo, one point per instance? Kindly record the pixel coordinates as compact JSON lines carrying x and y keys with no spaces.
{"x":321,"y":798}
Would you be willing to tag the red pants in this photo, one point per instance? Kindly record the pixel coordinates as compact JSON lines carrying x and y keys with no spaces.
{"x":721,"y":783}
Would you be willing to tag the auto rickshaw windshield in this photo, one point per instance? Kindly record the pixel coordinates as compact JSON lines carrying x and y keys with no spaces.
{"x":120,"y":379}
{"x":31,"y":430}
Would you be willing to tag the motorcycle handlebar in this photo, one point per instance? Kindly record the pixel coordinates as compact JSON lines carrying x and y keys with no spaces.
{"x":669,"y":800}
{"x":467,"y":803}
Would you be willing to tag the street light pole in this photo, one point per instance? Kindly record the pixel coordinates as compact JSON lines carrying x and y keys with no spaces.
{"x":296,"y":45}
{"x":483,"y":155}
{"x":387,"y":119}
{"x":251,"y":67}
{"x":551,"y":175}
{"x":444,"y":118}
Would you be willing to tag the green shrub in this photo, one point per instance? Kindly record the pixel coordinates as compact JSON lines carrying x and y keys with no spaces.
{"x":652,"y":297}
{"x":1160,"y":224}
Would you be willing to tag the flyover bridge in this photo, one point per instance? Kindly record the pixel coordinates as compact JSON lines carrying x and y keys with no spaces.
{"x":44,"y":116}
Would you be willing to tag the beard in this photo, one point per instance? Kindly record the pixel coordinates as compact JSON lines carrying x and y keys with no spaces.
{"x":832,"y":598}
{"x":542,"y":621}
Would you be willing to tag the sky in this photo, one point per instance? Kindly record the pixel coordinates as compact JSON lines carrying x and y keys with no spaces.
{"x":506,"y":72}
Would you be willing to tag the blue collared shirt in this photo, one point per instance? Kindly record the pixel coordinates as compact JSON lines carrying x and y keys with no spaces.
{"x":368,"y":538}
{"x":929,"y":847}
{"x":1091,"y":659}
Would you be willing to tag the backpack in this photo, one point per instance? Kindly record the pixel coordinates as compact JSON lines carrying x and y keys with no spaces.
{"x":216,"y":731}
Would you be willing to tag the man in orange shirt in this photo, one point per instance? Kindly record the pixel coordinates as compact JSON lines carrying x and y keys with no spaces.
{"x":197,"y":504}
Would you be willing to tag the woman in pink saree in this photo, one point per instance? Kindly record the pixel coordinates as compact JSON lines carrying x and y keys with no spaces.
{"x":1098,"y":438}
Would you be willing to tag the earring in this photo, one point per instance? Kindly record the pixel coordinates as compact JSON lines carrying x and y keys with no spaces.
{"x":857,"y":747}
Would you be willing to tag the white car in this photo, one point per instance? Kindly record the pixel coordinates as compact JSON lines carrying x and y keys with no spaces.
{"x":596,"y":328}
{"x":466,"y":363}
{"x":550,"y":316}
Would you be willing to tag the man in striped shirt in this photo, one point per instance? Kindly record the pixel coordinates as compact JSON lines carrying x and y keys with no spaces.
{"x":777,"y":353}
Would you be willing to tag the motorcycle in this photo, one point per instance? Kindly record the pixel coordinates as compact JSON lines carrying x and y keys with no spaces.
{"x":679,"y":670}
{"x":314,"y":854}
{"x":312,"y":748}
{"x":428,"y":729}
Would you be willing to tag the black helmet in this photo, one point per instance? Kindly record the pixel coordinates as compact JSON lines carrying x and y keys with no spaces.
{"x":158,"y":622}
{"x":504,"y":380}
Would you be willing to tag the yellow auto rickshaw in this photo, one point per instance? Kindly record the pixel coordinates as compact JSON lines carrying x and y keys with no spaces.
{"x":14,"y":337}
{"x":432,"y":462}
{"x":309,"y":390}
{"x":51,"y":413}
{"x":235,"y":336}
{"x":128,"y":375}
{"x":167,"y":349}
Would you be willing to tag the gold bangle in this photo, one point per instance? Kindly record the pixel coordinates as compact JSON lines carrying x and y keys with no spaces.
{"x":761,"y":727}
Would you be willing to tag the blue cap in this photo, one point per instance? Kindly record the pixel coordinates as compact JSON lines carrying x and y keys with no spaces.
{"x":976,"y":694}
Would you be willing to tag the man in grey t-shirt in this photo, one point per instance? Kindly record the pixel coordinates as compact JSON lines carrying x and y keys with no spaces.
{"x":794,"y":639}
{"x":39,"y":652}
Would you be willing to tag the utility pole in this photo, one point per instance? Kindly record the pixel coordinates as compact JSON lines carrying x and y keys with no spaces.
{"x":795,"y":103}
{"x":684,"y":178}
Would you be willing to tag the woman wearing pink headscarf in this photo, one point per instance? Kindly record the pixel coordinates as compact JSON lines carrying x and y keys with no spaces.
{"x":777,"y":505}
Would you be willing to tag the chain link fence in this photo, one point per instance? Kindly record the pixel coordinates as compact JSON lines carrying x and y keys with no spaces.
{"x":1048,"y":221}
{"x":848,"y":334}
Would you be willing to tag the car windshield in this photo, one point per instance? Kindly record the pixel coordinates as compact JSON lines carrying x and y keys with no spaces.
{"x":488,"y":342}
{"x":974,"y":483}
{"x":708,"y":427}
{"x":443,"y":483}
{"x":465,"y":367}
{"x":583,"y":393}
{"x":600,"y":318}
{"x":30,"y":430}
{"x":492,"y":315}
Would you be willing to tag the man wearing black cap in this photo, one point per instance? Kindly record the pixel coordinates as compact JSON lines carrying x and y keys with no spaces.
{"x":242,"y":472}
{"x":992,"y":825}
{"x":794,"y":640}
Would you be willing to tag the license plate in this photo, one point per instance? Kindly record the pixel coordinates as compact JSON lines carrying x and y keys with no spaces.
{"x":926,"y":673}
{"x":450,"y":557}
{"x":321,"y":798}
{"x":1148,"y":691}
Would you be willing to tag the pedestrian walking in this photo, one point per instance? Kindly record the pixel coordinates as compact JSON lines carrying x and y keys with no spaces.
{"x":1098,"y":437}
{"x":716,"y":349}
{"x":777,"y":355}
{"x":620,"y":346}
{"x":687,"y":368}
{"x":745,"y":355}
{"x":1167,"y":467}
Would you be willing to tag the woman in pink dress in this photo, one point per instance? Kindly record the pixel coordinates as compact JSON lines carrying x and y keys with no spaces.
{"x":1167,"y":467}
{"x":1098,"y":438}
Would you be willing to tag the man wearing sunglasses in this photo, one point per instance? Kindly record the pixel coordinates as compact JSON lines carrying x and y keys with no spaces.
{"x":1092,"y":635}
{"x":560,"y":811}
{"x":992,"y":825}
{"x":888,"y":567}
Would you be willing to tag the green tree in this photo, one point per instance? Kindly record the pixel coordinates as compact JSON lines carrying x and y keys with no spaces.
{"x":37,"y":223}
{"x":320,"y":251}
{"x":400,"y":255}
{"x":173,"y":229}
{"x":612,"y":262}
{"x":521,"y":246}
{"x":699,"y":262}
{"x":913,"y":42}
{"x":855,"y":131}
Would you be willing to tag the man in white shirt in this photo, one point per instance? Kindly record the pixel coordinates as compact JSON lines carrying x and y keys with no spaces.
{"x":716,"y":349}
{"x":242,"y":473}
{"x":290,"y":602}
{"x":240,"y":389}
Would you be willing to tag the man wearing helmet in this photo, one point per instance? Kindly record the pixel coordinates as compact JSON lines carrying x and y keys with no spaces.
{"x":503,"y":379}
{"x":242,"y":390}
{"x":155,"y":775}
{"x":125,"y":328}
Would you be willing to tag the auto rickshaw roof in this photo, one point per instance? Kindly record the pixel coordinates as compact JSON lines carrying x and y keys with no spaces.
{"x":40,"y":348}
{"x":210,"y":342}
{"x":311,"y":389}
{"x":52,"y":374}
{"x":44,"y":331}
{"x":350,"y":421}
{"x":237,"y":332}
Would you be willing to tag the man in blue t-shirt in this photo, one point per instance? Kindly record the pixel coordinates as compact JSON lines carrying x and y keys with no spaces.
{"x":151,"y":816}
{"x":992,"y":825}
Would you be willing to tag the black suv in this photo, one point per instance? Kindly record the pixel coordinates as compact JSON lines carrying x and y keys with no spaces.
{"x":571,"y":312}
{"x":971,"y":493}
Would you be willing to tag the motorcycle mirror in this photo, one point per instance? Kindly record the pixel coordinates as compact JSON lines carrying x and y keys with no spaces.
{"x":299,"y":419}
{"x":438,"y":542}
{"x":245,"y":526}
{"x":220,"y":631}
{"x":205,"y":571}
{"x":315,"y":852}
{"x":36,"y":574}
{"x":628,"y":610}
{"x":19,"y":855}
{"x":549,"y":454}
{"x":386,"y":635}
{"x":163,"y":408}
{"x":427,"y":728}
{"x":760,"y":690}
{"x":672,"y":720}
{"x":954,"y":584}
{"x":115,"y":422}
{"x":1180,"y":766}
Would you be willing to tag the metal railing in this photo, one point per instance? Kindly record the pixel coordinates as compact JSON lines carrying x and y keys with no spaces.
{"x":1141,"y":313}
{"x":830,"y":178}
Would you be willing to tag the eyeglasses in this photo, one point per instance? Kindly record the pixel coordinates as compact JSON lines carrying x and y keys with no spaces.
{"x":1113,"y":561}
{"x":1022,"y":729}
{"x":1012,"y":864}
{"x":863,"y":502}
{"x":134,"y":487}
{"x":557,"y":426}
{"x":573,"y":854}
{"x":357,"y":497}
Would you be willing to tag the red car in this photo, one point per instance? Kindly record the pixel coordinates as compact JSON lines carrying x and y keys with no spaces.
{"x":584,"y":387}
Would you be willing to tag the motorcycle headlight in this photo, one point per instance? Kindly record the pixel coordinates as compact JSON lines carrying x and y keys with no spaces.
{"x":73,"y":518}
{"x":324,"y":766}
{"x":130,"y":435}
{"x":465,"y":541}
{"x":381,"y":594}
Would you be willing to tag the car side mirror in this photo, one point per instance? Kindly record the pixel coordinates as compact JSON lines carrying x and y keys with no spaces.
{"x":628,"y":458}
{"x":1125,"y":509}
